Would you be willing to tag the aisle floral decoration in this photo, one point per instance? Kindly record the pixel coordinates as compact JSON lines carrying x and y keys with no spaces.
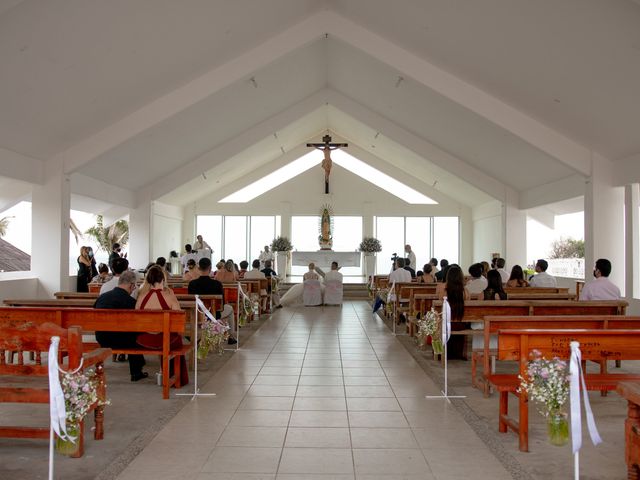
{"x":213,"y":337}
{"x":431,"y":326}
{"x":246,"y":310}
{"x":80,"y":389}
{"x":281,"y":244}
{"x":547,"y":383}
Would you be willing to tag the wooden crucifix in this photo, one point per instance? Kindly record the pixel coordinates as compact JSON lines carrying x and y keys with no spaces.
{"x":326,"y":148}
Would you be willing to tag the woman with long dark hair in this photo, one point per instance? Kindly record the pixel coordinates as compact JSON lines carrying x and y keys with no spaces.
{"x":517,"y":278}
{"x":494,"y":287}
{"x":454,"y":290}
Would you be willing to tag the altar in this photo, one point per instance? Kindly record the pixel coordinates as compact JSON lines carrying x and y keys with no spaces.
{"x":323,"y":258}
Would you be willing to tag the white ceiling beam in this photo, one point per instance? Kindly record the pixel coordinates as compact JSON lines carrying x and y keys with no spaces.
{"x":234,"y":146}
{"x":544,"y":216}
{"x":21,"y":167}
{"x":563,"y":189}
{"x":562,"y":148}
{"x":627,"y":171}
{"x":99,"y":190}
{"x":193,"y":92}
{"x":420,"y":146}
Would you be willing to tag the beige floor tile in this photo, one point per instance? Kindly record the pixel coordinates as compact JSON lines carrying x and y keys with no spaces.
{"x":317,"y":403}
{"x":243,"y":459}
{"x":266,"y":403}
{"x":323,"y":371}
{"x":306,"y":380}
{"x":260,"y":418}
{"x":280,"y":371}
{"x":316,"y":460}
{"x":377,"y":420}
{"x":322,"y":363}
{"x":383,"y":438}
{"x":363,"y":372}
{"x":366,"y":381}
{"x":301,"y":418}
{"x":314,"y":476}
{"x":235,"y":476}
{"x":272,"y":391}
{"x":318,"y":437}
{"x":276,"y":380}
{"x":389,"y":461}
{"x":379,"y":404}
{"x":320,"y":391}
{"x":236,"y":436}
{"x":368,"y":391}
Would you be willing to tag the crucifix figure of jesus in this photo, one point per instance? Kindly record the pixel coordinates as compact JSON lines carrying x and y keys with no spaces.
{"x":326,"y":148}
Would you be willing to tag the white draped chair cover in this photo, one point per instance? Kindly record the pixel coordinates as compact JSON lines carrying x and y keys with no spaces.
{"x":312,"y":293}
{"x":333,"y":292}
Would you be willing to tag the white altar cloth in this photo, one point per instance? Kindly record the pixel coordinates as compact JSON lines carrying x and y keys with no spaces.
{"x":323,"y":258}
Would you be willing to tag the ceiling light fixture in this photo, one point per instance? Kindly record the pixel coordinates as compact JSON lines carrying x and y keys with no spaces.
{"x":253,"y":82}
{"x":399,"y":81}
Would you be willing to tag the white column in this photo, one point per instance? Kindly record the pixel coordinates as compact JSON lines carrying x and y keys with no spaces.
{"x":285,"y":220}
{"x":631,"y":220}
{"x":604,"y":220}
{"x":140,"y":235}
{"x":189,"y":227}
{"x":514,"y":222}
{"x":50,"y":234}
{"x":466,"y":236}
{"x":367,"y":219}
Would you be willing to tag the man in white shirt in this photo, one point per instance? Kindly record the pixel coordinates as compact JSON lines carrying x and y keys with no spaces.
{"x":478,"y":283}
{"x":542,"y":278}
{"x":202,"y":247}
{"x":601,"y":288}
{"x":399,"y":275}
{"x":185,"y":258}
{"x":265,"y":255}
{"x":408,"y":253}
{"x":333,"y":275}
{"x":500,"y":263}
{"x":118,"y":266}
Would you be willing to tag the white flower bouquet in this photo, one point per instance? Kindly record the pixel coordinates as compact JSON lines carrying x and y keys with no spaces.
{"x":431,"y":325}
{"x":547,"y":383}
{"x":370,"y":245}
{"x":212,"y":339}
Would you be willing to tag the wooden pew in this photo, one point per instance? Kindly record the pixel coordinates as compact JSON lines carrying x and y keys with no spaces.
{"x":596,"y":345}
{"x":524,"y":294}
{"x":631,"y":392}
{"x":509,"y":290}
{"x":29,"y":383}
{"x":493,"y":324}
{"x":91,"y":320}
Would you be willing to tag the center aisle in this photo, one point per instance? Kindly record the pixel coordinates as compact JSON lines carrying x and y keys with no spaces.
{"x":318,"y":393}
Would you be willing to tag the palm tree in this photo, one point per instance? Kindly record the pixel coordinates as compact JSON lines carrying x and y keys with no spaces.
{"x":4,"y":224}
{"x":105,"y":237}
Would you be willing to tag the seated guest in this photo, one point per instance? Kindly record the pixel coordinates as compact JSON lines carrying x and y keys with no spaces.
{"x":516,"y":279}
{"x":440,"y":277}
{"x":103,"y":274}
{"x":162,"y":262}
{"x":118,"y":266}
{"x":159,"y":297}
{"x":312,"y":274}
{"x":228,"y":273}
{"x":256,"y":274}
{"x":333,"y":275}
{"x":243,"y":268}
{"x":494,"y":290}
{"x":120,"y":297}
{"x":434,"y":266}
{"x":478,"y":283}
{"x":205,"y":285}
{"x":192,"y":272}
{"x":456,"y":293}
{"x":485,"y":268}
{"x":500,"y":263}
{"x":267,"y":270}
{"x":408,"y":268}
{"x":427,"y":274}
{"x":185,"y":258}
{"x":542,"y":278}
{"x":601,"y":288}
{"x":400,"y":274}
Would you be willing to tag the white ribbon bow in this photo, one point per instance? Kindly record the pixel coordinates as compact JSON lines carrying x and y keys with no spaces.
{"x":205,"y":311}
{"x":57,"y":409}
{"x":577,"y":379}
{"x":392,"y":292}
{"x":446,"y":320}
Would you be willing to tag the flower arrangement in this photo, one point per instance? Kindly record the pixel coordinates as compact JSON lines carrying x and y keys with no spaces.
{"x":431,"y":325}
{"x":213,"y":337}
{"x":370,"y":245}
{"x":281,"y":244}
{"x":80,"y":394}
{"x":246,"y":310}
{"x":547,"y":383}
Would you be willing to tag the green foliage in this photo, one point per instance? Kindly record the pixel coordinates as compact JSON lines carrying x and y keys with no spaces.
{"x":107,"y":236}
{"x":567,"y":248}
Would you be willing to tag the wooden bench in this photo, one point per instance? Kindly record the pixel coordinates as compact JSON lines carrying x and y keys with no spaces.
{"x":631,"y":392}
{"x":29,"y":383}
{"x":493,"y":324}
{"x":596,"y":345}
{"x":91,"y":320}
{"x":509,"y":290}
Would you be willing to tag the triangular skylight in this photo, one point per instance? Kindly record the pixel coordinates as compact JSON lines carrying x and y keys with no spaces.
{"x":339,"y":157}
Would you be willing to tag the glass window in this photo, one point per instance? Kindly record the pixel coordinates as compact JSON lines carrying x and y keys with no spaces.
{"x":304,"y":237}
{"x":235,"y":238}
{"x":446,"y":238}
{"x":263,"y":231}
{"x":210,"y":227}
{"x":347,"y":235}
{"x":418,"y":235}
{"x":390,"y":232}
{"x":16,"y":228}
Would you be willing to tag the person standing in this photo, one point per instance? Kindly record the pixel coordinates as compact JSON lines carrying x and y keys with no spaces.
{"x":265,"y":255}
{"x":86,"y":269}
{"x":601,"y":288}
{"x":202,"y":247}
{"x":115,"y":253}
{"x":408,"y":253}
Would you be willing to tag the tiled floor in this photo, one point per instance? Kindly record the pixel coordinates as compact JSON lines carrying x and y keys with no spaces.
{"x":318,"y":393}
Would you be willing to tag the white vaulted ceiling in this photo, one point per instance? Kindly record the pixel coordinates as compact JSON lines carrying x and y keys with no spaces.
{"x":477,"y":98}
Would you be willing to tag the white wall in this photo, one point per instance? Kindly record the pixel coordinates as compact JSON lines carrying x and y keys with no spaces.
{"x":487,"y":231}
{"x":166,"y":230}
{"x":16,"y":285}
